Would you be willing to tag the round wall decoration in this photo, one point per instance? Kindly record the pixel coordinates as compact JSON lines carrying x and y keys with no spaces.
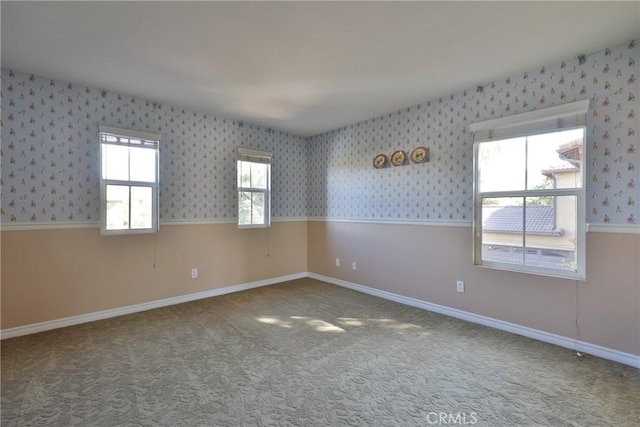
{"x":398,"y":158}
{"x":419,"y":154}
{"x":380,"y":161}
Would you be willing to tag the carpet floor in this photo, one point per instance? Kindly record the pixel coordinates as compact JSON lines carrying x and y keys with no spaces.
{"x":305,"y":353}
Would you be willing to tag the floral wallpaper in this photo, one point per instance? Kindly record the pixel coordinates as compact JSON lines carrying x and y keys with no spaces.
{"x":50,"y":157}
{"x":50,"y":154}
{"x":344,"y":184}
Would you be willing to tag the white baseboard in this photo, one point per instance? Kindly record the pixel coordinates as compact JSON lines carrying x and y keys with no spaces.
{"x":581,"y":346}
{"x":91,"y":317}
{"x":585,"y":347}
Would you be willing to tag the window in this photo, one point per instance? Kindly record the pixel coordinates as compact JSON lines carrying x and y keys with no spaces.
{"x":529,"y":208}
{"x":128,"y":181}
{"x":254,"y":188}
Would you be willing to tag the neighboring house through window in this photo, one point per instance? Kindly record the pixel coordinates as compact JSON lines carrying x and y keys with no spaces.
{"x":529,"y":212}
{"x":128,"y":181}
{"x":254,"y":188}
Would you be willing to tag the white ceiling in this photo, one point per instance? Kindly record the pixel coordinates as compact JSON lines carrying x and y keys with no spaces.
{"x":302,"y":67}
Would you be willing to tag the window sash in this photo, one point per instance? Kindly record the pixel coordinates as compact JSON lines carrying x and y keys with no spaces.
{"x":266,"y":215}
{"x":578,"y":273}
{"x":478,"y":260}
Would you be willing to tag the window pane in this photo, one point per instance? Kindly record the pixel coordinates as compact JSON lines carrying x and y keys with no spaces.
{"x":117,"y":207}
{"x":554,"y":160}
{"x":259,"y":173}
{"x":143,"y":164}
{"x":141,"y":207}
{"x":115,"y":162}
{"x":251,"y":208}
{"x":502,"y":234}
{"x":244,"y":208}
{"x":551,"y":232}
{"x":244,"y":174}
{"x":257,"y":208}
{"x":502,"y":165}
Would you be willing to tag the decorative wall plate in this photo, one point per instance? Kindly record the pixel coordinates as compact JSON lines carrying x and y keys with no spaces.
{"x":419,"y":154}
{"x":380,"y":161}
{"x":398,"y":158}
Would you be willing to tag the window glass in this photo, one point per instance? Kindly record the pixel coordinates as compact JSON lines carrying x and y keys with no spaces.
{"x":117,"y":207}
{"x":141,"y":207}
{"x":502,"y":165}
{"x":259,"y":175}
{"x":244,"y":174}
{"x":244,"y":208}
{"x":115,"y":162}
{"x":502,"y":229}
{"x":554,"y":160}
{"x":142,"y":164}
{"x":257,"y":208}
{"x":551,"y":232}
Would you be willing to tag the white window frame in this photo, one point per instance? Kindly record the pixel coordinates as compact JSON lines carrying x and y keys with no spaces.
{"x":129,"y":138}
{"x":262,"y":157}
{"x":552,"y":119}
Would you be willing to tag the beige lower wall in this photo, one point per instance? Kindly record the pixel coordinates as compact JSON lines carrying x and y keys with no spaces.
{"x":424,"y":262}
{"x":53,"y":274}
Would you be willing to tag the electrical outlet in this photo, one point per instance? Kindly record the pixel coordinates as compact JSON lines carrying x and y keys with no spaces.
{"x":337,"y":262}
{"x":354,"y":266}
{"x":460,"y":286}
{"x":194,"y":273}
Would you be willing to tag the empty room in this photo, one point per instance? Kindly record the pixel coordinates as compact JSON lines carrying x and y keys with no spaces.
{"x":320,"y":213}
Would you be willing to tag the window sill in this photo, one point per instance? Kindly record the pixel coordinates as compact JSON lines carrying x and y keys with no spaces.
{"x":544,"y":272}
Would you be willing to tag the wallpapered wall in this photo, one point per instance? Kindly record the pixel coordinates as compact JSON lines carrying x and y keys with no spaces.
{"x":50,"y":154}
{"x":345,"y":185}
{"x":50,"y":149}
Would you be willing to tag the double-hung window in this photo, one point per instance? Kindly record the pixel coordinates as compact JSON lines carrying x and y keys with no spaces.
{"x":529,"y":207}
{"x":128,"y":181}
{"x":254,"y":188}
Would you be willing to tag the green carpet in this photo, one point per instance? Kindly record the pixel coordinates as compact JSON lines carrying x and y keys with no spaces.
{"x":305,"y":353}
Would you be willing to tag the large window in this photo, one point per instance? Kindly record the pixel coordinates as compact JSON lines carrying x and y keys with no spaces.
{"x":254,"y":188}
{"x":529,"y":212}
{"x":128,"y":181}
